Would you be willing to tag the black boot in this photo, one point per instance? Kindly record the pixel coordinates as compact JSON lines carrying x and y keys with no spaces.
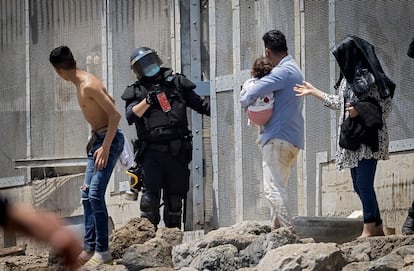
{"x":408,"y":226}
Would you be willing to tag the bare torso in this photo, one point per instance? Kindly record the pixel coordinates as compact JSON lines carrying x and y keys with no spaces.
{"x":87,"y":92}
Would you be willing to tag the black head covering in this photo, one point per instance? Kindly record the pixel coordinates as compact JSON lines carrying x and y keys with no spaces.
{"x":356,"y":58}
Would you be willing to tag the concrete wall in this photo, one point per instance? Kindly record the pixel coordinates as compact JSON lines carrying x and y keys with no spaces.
{"x":394,"y":186}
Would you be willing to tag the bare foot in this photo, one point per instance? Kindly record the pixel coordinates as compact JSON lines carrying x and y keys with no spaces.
{"x":371,"y":231}
{"x":379,"y":231}
{"x":364,"y":235}
{"x":276,"y":224}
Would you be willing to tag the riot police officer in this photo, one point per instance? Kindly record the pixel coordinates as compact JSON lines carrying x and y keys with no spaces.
{"x":157,"y":105}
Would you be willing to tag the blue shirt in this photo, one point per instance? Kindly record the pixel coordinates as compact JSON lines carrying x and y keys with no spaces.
{"x":287,"y":121}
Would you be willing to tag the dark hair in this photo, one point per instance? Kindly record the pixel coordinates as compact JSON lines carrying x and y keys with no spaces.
{"x":261,"y":66}
{"x":61,"y":57}
{"x":275,"y":41}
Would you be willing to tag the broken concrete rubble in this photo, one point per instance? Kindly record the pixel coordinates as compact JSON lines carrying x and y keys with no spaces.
{"x":249,"y":245}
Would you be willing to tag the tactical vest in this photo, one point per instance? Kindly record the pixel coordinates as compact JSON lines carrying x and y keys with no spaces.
{"x":156,"y":125}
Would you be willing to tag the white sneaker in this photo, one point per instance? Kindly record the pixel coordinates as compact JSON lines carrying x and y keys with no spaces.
{"x":100,"y":258}
{"x":85,"y":256}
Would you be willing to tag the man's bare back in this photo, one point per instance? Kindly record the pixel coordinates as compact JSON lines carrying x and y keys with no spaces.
{"x":94,"y":100}
{"x":98,"y":108}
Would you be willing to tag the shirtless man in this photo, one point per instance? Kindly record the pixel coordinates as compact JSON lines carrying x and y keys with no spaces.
{"x":103,"y":150}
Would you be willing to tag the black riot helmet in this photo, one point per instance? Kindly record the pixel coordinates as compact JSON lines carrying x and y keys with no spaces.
{"x":145,"y":62}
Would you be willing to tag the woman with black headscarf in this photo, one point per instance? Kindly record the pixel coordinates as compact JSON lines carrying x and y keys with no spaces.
{"x":364,"y":101}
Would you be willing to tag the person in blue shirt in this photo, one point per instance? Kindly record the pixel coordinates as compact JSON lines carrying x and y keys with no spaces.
{"x":283,"y":134}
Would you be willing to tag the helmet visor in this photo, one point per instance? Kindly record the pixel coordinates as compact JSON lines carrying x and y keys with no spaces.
{"x":148,"y":65}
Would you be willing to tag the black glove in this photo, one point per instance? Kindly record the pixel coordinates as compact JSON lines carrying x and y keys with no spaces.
{"x":151,"y":97}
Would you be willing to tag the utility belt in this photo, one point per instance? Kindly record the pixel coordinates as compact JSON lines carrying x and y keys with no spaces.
{"x":165,"y":133}
{"x":173,"y":146}
{"x":182,"y":148}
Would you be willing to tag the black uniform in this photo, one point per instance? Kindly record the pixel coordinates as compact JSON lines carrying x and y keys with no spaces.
{"x":164,"y":145}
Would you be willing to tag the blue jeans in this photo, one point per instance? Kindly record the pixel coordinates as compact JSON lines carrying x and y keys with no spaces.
{"x":93,"y":195}
{"x":363,"y":179}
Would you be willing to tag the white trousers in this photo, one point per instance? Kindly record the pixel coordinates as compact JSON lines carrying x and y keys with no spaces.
{"x":278,"y":157}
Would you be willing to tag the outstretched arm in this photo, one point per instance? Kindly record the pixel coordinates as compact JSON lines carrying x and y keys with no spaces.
{"x":308,"y":89}
{"x":194,"y":101}
{"x":331,"y":101}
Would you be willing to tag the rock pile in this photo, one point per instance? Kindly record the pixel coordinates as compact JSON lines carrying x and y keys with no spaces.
{"x":248,"y":246}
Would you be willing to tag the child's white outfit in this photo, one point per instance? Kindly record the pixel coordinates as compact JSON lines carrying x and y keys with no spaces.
{"x":261,"y":110}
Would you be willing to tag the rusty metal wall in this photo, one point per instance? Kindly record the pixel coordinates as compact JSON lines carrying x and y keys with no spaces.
{"x":361,"y":18}
{"x":224,"y":64}
{"x":227,"y":184}
{"x":316,"y":60}
{"x":391,"y":37}
{"x":57,"y":126}
{"x":135,"y":24}
{"x":254,"y":203}
{"x":102,"y":38}
{"x":13,"y":86}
